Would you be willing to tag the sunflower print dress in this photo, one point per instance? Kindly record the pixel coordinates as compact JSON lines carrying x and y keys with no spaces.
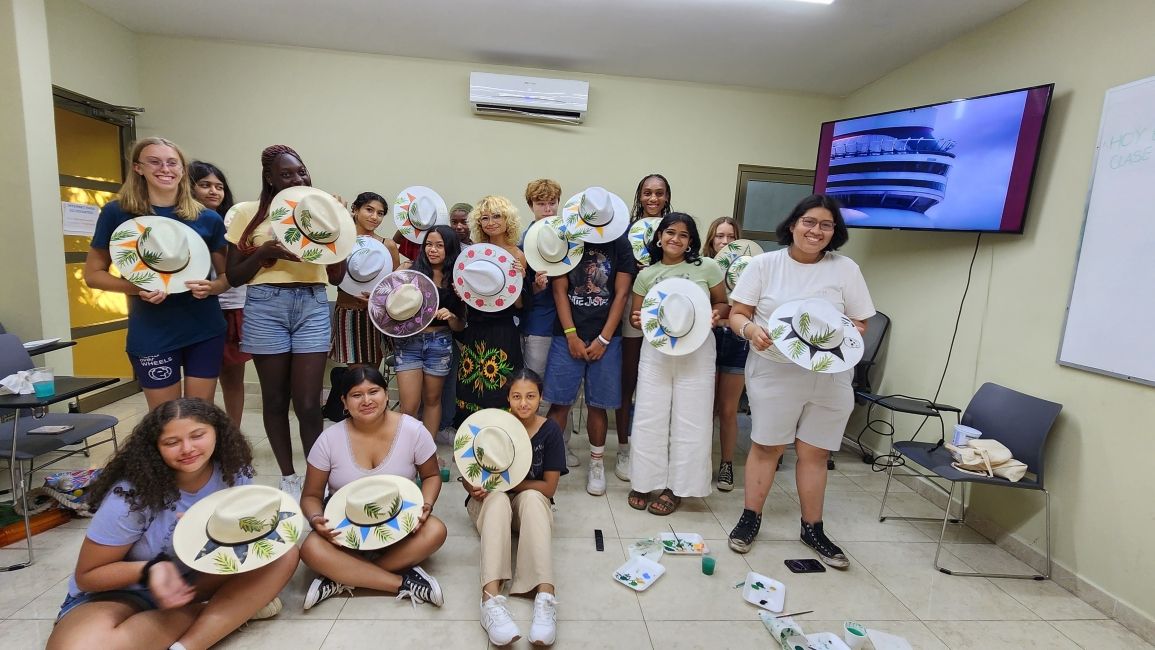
{"x":490,"y":349}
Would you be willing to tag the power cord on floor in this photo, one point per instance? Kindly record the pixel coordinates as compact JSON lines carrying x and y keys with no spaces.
{"x":892,"y":459}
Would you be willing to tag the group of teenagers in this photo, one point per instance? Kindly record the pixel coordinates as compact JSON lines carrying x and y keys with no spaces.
{"x":601,"y":313}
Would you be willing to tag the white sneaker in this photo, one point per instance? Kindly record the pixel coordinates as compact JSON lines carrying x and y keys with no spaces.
{"x":543,"y":630}
{"x":596,"y":483}
{"x":571,"y":459}
{"x":622,"y":466}
{"x":291,"y":485}
{"x":497,"y":622}
{"x":274,"y":607}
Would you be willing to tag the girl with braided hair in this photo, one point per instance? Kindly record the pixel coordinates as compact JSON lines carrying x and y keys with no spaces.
{"x":128,"y":589}
{"x":287,"y":326}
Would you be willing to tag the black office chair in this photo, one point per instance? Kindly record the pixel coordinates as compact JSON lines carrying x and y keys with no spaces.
{"x":1019,"y":421}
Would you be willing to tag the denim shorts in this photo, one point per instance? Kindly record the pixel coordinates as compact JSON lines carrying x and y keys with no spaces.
{"x":286,"y":319}
{"x":428,"y":351}
{"x":564,"y":374}
{"x":138,"y":598}
{"x":731,"y":351}
{"x":201,"y":359}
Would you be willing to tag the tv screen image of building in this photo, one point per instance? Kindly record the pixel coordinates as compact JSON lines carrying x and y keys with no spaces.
{"x":960,"y":165}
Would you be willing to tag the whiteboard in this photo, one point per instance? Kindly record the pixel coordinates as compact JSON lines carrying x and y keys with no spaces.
{"x":1113,"y":294}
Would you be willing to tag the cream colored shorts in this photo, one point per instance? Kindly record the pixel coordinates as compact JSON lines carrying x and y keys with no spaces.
{"x":788,"y":402}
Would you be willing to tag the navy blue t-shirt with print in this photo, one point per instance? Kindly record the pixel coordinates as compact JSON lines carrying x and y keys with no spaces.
{"x":540,"y":317}
{"x":548,"y":451}
{"x":591,"y":287}
{"x":180,"y":320}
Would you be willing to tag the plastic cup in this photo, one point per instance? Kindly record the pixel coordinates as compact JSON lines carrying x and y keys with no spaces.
{"x":854,"y":634}
{"x":444,"y":474}
{"x":43,"y":382}
{"x":708,"y":564}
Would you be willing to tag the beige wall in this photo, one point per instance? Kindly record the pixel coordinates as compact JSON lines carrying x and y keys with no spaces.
{"x":1100,"y":454}
{"x":379,"y":123}
{"x":92,"y":54}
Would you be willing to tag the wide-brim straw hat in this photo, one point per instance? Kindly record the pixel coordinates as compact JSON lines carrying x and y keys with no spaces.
{"x":485,"y":278}
{"x":640,"y":235}
{"x":238,"y":529}
{"x":403,"y":303}
{"x":735,"y":257}
{"x":596,"y":215}
{"x":492,"y":450}
{"x":373,"y":512}
{"x":551,"y":248}
{"x":814,"y":334}
{"x":312,"y":225}
{"x":367,"y":264}
{"x":417,"y":210}
{"x":159,"y":253}
{"x":676,"y":315}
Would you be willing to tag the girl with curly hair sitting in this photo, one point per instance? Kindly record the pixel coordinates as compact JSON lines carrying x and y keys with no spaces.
{"x":129,"y":590}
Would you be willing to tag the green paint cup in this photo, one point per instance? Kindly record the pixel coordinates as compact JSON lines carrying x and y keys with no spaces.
{"x":708,"y":564}
{"x":444,"y":474}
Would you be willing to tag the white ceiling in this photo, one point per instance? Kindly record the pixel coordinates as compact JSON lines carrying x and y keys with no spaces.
{"x":774,"y":44}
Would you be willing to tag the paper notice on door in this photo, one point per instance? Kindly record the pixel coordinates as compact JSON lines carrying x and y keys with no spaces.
{"x":79,"y":218}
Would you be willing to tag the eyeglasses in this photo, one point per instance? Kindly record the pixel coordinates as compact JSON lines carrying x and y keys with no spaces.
{"x":810,"y":222}
{"x":156,"y":163}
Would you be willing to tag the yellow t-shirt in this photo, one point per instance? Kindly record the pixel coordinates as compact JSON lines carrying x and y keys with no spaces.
{"x":282,"y":271}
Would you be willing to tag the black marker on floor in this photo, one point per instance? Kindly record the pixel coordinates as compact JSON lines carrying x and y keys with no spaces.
{"x":599,"y":543}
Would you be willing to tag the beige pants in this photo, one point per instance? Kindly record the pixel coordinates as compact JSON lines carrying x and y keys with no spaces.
{"x":496,"y":517}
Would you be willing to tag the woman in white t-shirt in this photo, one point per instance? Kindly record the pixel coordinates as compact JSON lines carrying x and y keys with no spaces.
{"x":372,"y":441}
{"x":791,"y":404}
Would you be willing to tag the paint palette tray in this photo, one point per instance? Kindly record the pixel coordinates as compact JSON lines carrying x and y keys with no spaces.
{"x":764,"y":592}
{"x":684,"y":544}
{"x":651,"y":549}
{"x":638,"y":573}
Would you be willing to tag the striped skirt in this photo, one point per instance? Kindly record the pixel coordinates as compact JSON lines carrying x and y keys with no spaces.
{"x":355,"y":340}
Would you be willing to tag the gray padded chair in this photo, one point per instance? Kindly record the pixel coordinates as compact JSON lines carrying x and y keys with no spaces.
{"x":1019,"y":421}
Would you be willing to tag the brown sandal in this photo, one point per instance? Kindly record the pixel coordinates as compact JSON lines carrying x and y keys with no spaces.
{"x":665,"y":504}
{"x":638,"y":500}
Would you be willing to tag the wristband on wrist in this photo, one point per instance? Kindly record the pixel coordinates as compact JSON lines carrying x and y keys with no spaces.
{"x":742,"y":330}
{"x":569,"y":330}
{"x":603,"y":340}
{"x":160,"y":557}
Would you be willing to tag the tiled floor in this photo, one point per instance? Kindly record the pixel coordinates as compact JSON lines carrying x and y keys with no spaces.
{"x":890,"y":585}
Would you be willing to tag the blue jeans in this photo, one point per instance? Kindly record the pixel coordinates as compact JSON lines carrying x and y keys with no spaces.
{"x":449,"y":391}
{"x":563,"y":375}
{"x":286,"y":319}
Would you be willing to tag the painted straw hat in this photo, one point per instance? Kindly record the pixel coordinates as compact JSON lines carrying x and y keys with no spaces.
{"x":367,"y":264}
{"x":238,"y":529}
{"x":374,"y":511}
{"x":734,"y":257}
{"x":312,"y":224}
{"x":676,"y":316}
{"x":418,"y":209}
{"x":550,"y":247}
{"x":596,"y":215}
{"x":492,"y":450}
{"x":814,"y":334}
{"x":403,"y":303}
{"x":641,"y":232}
{"x":159,"y":253}
{"x":485,"y":277}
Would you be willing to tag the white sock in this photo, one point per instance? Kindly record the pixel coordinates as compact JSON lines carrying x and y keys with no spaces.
{"x":596,"y":453}
{"x":176,"y":645}
{"x":623,"y":447}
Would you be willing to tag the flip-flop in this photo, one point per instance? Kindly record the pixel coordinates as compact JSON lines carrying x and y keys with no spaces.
{"x":665,"y":504}
{"x":638,"y":500}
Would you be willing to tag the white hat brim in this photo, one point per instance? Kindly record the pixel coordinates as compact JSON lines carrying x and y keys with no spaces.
{"x":190,"y":538}
{"x":401,"y":212}
{"x":474,"y":473}
{"x":354,"y":287}
{"x":368,"y":538}
{"x":734,"y":250}
{"x":653,"y":332}
{"x":281,"y":223}
{"x":641,"y":232}
{"x":533,"y":255}
{"x":504,"y":260}
{"x":597,"y":235}
{"x":122,"y":249}
{"x":800,"y":353}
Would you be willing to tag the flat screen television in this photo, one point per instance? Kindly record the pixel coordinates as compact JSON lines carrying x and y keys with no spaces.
{"x":962,"y":165}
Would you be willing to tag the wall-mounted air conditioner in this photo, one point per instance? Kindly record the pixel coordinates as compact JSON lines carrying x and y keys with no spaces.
{"x":556,"y":100}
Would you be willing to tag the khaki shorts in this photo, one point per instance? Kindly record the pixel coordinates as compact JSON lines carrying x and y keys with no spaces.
{"x":788,"y":402}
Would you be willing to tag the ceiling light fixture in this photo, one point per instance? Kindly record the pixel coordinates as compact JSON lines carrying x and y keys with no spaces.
{"x":817,"y":2}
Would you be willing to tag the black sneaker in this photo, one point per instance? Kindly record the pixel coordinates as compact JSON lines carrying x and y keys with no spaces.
{"x":726,"y":476}
{"x":421,"y":587}
{"x":322,"y":588}
{"x":742,"y":537}
{"x":828,"y":552}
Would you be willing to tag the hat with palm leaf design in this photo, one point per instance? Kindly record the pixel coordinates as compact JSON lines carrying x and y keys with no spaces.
{"x":416,"y":210}
{"x":159,"y":253}
{"x":676,"y":314}
{"x":641,"y":232}
{"x":596,"y":215}
{"x":238,"y":529}
{"x":814,"y":334}
{"x":374,"y":511}
{"x":312,"y":225}
{"x":549,"y":247}
{"x":735,"y":257}
{"x":492,"y":450}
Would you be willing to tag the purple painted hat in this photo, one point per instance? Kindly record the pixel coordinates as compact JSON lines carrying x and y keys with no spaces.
{"x":403,"y":303}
